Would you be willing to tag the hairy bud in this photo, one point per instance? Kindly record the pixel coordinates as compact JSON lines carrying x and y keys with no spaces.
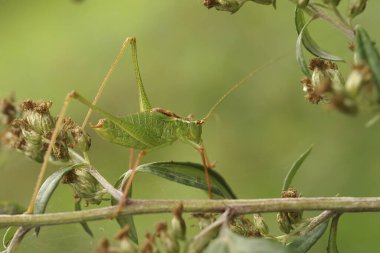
{"x":260,"y":224}
{"x":178,"y":223}
{"x":332,"y":2}
{"x":356,"y":7}
{"x":85,"y":186}
{"x":81,"y":139}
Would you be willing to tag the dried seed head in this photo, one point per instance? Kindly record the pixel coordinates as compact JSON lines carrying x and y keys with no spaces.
{"x":204,"y":219}
{"x":32,"y":130}
{"x":325,"y":82}
{"x":8,"y":110}
{"x":311,"y":94}
{"x":38,"y":116}
{"x":85,"y":186}
{"x":243,"y":226}
{"x":287,"y":220}
{"x":284,"y":223}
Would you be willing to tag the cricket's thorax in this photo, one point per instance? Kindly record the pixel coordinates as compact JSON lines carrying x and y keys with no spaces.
{"x":149,"y":130}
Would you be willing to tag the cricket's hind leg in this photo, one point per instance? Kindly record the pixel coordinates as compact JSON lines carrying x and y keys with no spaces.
{"x":127,"y":186}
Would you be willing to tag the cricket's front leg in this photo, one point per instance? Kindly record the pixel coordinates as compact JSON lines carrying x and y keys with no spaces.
{"x":207,"y":166}
{"x":126,"y":188}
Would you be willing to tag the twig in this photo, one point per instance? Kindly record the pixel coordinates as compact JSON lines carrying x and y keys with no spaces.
{"x":17,"y":238}
{"x":335,"y":204}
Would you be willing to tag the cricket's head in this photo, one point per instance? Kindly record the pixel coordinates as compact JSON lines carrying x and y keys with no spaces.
{"x":189,"y":131}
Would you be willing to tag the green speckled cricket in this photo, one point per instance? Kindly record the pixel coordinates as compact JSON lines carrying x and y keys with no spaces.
{"x":147,"y":130}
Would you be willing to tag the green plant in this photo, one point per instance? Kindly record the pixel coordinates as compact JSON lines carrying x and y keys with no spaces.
{"x":30,"y":129}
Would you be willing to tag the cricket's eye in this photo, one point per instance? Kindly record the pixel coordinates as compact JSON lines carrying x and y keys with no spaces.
{"x":100,"y":124}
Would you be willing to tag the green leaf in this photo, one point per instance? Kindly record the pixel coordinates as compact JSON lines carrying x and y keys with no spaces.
{"x":299,"y":54}
{"x":308,"y":41}
{"x":84,"y":225}
{"x":293,"y":170}
{"x":8,"y":236}
{"x":48,"y":187}
{"x":304,"y":242}
{"x":187,"y":173}
{"x":332,"y":246}
{"x":126,"y":219}
{"x":227,"y":241}
{"x":10,"y":208}
{"x":366,"y":51}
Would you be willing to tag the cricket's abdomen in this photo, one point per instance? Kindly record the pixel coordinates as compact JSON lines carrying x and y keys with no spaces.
{"x":142,"y":131}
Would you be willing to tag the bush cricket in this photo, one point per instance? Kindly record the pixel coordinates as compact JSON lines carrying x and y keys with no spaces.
{"x":147,"y":130}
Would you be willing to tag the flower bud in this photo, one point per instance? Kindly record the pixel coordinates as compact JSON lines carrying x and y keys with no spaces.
{"x":178,"y":223}
{"x":103,"y":246}
{"x":149,"y":245}
{"x":224,"y":5}
{"x":260,"y":224}
{"x":303,"y":3}
{"x":294,"y":217}
{"x":126,"y":246}
{"x":168,"y":242}
{"x":38,"y":116}
{"x":344,"y":104}
{"x":359,"y":77}
{"x":85,"y":186}
{"x":356,"y":7}
{"x":81,"y":139}
{"x":232,"y":5}
{"x":284,"y":222}
{"x":332,"y":2}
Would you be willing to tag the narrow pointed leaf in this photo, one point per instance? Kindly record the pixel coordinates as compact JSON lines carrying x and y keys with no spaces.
{"x":308,"y":41}
{"x":47,"y":189}
{"x":303,"y":243}
{"x":84,"y":225}
{"x":293,"y":170}
{"x":332,"y":246}
{"x":299,"y":54}
{"x":9,"y":233}
{"x":367,"y":52}
{"x":229,"y":242}
{"x":126,"y":219}
{"x":187,"y":173}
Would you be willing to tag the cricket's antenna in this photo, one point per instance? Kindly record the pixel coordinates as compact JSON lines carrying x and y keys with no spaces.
{"x":236,"y":85}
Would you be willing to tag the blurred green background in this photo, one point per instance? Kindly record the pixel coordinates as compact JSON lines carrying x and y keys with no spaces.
{"x":189,"y":56}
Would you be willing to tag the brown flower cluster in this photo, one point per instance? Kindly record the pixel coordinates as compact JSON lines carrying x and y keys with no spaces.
{"x":28,"y":128}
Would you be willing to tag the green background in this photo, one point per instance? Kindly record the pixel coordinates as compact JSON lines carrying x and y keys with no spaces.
{"x":189,"y":56}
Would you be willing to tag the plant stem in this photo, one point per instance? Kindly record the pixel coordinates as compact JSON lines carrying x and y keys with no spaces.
{"x":318,"y":12}
{"x":315,"y":11}
{"x":336,"y":204}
